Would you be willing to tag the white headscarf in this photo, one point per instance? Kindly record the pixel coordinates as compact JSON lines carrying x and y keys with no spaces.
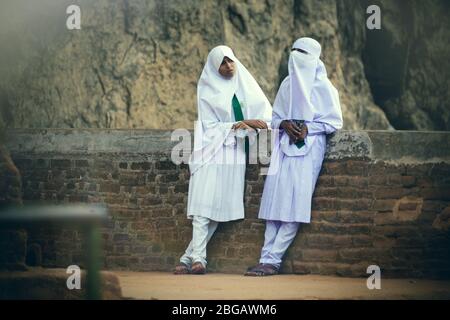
{"x":312,"y":97}
{"x":214,"y":97}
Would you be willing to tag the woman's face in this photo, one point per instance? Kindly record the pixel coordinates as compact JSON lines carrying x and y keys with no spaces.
{"x":227,"y":67}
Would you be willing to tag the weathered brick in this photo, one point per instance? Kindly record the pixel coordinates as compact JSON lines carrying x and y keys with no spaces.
{"x":175,"y":198}
{"x":164,"y":223}
{"x":123,"y":165}
{"x":361,"y":254}
{"x":151,"y":200}
{"x":385,"y":218}
{"x":408,"y":181}
{"x":436,"y":193}
{"x":327,"y":240}
{"x":140,"y":226}
{"x":356,"y":168}
{"x":338,"y":228}
{"x":140,"y":165}
{"x":60,"y":163}
{"x":347,"y":204}
{"x":383,"y":205}
{"x":168,"y":177}
{"x":41,"y":163}
{"x":144,"y":190}
{"x":408,"y":205}
{"x":319,"y":255}
{"x":103,"y":164}
{"x":325,"y":192}
{"x":160,"y":212}
{"x":155,"y":260}
{"x":330,"y":216}
{"x":131,"y":179}
{"x":377,"y":180}
{"x":302,"y":267}
{"x":115,"y":200}
{"x":362,"y":240}
{"x":389,"y":193}
{"x":163,"y":188}
{"x":78,"y":198}
{"x":183,"y":188}
{"x":254,"y":200}
{"x":121,"y":237}
{"x":252,"y":175}
{"x":353,"y":193}
{"x":325,"y":181}
{"x":396,"y":231}
{"x":109,"y":187}
{"x":355,"y":216}
{"x":334,"y":168}
{"x":165,"y":165}
{"x":81,"y":163}
{"x":22,"y":164}
{"x":231,"y":252}
{"x":358,"y":182}
{"x":257,"y":188}
{"x":321,"y":203}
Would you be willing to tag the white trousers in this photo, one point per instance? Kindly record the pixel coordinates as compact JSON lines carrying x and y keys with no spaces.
{"x":277,"y":238}
{"x":202,"y":231}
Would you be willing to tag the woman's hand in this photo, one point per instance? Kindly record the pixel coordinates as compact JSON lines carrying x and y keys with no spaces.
{"x":241,"y":125}
{"x":292,"y":130}
{"x":304,"y":132}
{"x":256,"y":124}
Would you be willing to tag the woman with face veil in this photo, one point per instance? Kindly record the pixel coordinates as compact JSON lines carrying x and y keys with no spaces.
{"x":231,"y":108}
{"x":305,"y":110}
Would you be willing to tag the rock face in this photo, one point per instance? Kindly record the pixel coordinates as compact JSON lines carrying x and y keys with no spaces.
{"x":407,"y":64}
{"x":135,"y":64}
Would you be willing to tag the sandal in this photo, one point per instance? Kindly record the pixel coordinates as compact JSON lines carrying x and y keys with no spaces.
{"x":182,"y":268}
{"x":264,"y":270}
{"x":258,"y":266}
{"x":198,"y":268}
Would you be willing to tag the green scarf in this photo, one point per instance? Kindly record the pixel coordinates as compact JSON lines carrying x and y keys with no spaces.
{"x":239,"y":116}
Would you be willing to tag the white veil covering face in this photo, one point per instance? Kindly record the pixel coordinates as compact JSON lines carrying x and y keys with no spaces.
{"x":214,"y":100}
{"x":309,"y":94}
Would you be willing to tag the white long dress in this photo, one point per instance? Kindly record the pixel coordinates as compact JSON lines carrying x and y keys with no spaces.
{"x":287,"y":195}
{"x":290,"y":184}
{"x":216,"y":190}
{"x":217,"y":162}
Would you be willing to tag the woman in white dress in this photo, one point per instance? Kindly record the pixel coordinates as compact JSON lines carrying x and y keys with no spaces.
{"x":305,"y":110}
{"x":231,"y":107}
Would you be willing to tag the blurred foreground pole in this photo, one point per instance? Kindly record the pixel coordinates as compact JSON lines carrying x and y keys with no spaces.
{"x":87,"y":217}
{"x":92,"y":236}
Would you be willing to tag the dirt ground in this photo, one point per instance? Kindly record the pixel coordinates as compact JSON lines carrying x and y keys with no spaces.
{"x":165,"y":286}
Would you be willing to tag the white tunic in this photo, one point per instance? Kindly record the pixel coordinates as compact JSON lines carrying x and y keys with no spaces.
{"x":306,"y":94}
{"x":216,"y":190}
{"x":217,"y":163}
{"x":293,"y":172}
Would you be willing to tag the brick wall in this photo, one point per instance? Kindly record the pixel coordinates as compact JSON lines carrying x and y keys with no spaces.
{"x":382,"y":198}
